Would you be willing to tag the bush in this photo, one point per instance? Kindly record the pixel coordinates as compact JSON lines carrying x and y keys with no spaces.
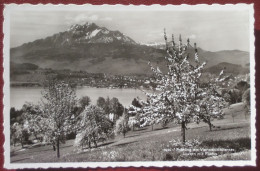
{"x":242,"y":86}
{"x":235,"y":96}
{"x":122,"y":126}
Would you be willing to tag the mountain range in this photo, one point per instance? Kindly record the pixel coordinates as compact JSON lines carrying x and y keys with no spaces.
{"x":95,"y":49}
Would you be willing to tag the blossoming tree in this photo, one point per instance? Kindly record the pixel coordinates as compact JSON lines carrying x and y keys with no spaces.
{"x":122,"y":125}
{"x":178,"y":94}
{"x":54,"y":115}
{"x":93,"y":126}
{"x":212,"y":103}
{"x":19,"y":133}
{"x":33,"y":119}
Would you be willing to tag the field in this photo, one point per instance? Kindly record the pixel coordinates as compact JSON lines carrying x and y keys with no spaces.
{"x":232,"y":137}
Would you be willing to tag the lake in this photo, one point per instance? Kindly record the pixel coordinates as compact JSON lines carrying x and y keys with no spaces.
{"x":20,"y":95}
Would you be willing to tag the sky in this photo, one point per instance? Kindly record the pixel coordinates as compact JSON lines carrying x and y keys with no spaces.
{"x":211,"y":30}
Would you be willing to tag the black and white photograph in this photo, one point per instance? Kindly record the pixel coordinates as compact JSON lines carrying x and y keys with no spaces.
{"x":129,"y":85}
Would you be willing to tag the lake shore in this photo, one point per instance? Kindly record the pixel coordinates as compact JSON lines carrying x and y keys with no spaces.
{"x":20,"y":95}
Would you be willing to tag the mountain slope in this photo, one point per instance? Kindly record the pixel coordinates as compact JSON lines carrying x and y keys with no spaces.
{"x":91,"y":48}
{"x":229,"y":68}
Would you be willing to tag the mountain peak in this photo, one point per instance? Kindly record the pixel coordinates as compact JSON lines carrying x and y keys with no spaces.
{"x":81,"y":34}
{"x":76,"y":27}
{"x":91,"y":33}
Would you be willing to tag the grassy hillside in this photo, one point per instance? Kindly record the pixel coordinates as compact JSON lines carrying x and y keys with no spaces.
{"x":147,"y":145}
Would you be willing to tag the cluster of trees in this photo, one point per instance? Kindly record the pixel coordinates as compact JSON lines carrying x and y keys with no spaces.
{"x":237,"y":91}
{"x":60,"y":115}
{"x":111,"y":106}
{"x":15,"y":115}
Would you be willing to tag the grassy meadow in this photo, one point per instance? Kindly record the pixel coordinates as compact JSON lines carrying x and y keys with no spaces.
{"x":231,"y":140}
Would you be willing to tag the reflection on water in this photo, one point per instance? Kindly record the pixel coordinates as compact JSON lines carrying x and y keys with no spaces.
{"x":20,"y":95}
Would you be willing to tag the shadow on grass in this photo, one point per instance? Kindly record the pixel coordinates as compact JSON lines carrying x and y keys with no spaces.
{"x":38,"y":145}
{"x":140,"y":129}
{"x":222,"y":129}
{"x":42,"y":150}
{"x":123,"y":144}
{"x":19,"y":150}
{"x":157,"y":129}
{"x":20,"y":160}
{"x":12,"y":154}
{"x":136,"y":135}
{"x":99,"y":145}
{"x":105,"y":144}
{"x":66,"y":146}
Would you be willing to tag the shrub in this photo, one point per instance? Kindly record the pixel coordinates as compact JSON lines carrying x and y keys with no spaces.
{"x":122,"y":126}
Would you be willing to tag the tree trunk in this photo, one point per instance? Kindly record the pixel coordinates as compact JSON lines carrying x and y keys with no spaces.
{"x":53,"y":146}
{"x":58,"y":147}
{"x":82,"y":144}
{"x":36,"y":136}
{"x":95,"y":143}
{"x":209,"y":123}
{"x":183,"y":127}
{"x":94,"y":140}
{"x":21,"y":142}
{"x":210,"y":126}
{"x":89,"y":144}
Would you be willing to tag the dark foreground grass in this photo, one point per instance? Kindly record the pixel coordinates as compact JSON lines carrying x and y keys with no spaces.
{"x":237,"y":145}
{"x":157,"y":151}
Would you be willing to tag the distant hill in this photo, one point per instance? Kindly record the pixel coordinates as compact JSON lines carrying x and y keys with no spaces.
{"x":229,"y":68}
{"x":95,"y":49}
{"x":22,"y":68}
